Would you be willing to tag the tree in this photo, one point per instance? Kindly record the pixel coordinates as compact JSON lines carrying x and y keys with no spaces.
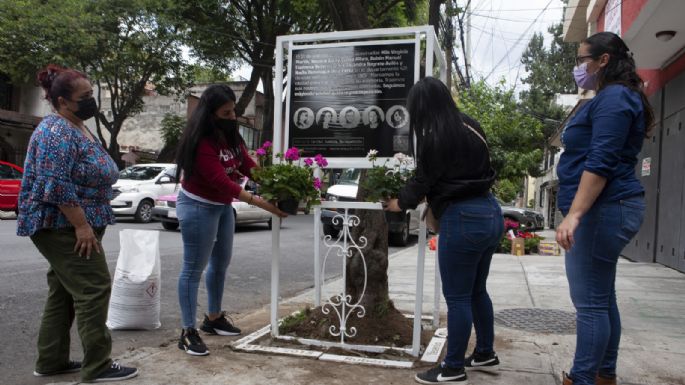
{"x":123,"y":45}
{"x":172,"y":128}
{"x":550,"y":72}
{"x":513,"y":136}
{"x":356,"y":14}
{"x":223,"y":34}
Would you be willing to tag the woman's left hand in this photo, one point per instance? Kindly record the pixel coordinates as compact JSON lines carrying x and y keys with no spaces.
{"x":566,"y":230}
{"x":392,"y":205}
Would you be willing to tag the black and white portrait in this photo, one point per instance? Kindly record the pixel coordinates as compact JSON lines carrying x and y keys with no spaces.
{"x":373,"y":117}
{"x":304,"y":118}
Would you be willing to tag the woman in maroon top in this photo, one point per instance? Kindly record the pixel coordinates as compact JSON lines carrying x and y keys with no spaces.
{"x":213,"y":158}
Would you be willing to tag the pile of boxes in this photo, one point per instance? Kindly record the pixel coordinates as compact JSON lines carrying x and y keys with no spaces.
{"x":549,"y":248}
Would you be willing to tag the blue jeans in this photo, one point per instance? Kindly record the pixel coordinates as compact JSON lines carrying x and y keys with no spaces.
{"x":470,"y":231}
{"x":207,"y":232}
{"x":600,"y":237}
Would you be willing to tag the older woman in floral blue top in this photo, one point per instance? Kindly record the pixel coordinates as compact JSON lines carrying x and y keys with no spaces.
{"x":64,"y":208}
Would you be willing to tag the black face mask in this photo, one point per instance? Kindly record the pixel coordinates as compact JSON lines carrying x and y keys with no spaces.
{"x":227,"y":125}
{"x":87,"y":108}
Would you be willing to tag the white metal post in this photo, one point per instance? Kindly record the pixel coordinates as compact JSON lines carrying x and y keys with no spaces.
{"x":317,"y":256}
{"x":430,"y":43}
{"x":436,"y":290}
{"x":275,"y":271}
{"x":418,"y":302}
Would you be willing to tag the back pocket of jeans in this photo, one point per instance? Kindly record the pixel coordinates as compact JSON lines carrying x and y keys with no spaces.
{"x":632,"y":214}
{"x":477,"y":228}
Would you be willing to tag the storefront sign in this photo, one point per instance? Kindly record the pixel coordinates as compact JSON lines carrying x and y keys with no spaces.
{"x":646,"y":166}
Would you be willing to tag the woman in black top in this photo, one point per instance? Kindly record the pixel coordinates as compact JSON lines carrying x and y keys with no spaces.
{"x":454,"y":174}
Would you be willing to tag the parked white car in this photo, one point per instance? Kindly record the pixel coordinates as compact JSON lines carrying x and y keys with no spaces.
{"x":165,"y":210}
{"x":139,"y":186}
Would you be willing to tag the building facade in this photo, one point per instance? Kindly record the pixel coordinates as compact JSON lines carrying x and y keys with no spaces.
{"x":655,"y":33}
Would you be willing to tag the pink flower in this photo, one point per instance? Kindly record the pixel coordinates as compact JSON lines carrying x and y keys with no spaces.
{"x":260,"y":152}
{"x":266,"y":144}
{"x":320,"y":160}
{"x":308,"y":161}
{"x":317,"y":183}
{"x":292,"y":154}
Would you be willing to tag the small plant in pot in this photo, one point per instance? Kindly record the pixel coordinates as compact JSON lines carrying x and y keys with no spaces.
{"x":289,"y":181}
{"x":385,"y":181}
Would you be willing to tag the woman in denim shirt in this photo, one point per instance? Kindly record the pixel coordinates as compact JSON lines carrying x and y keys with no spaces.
{"x":64,"y":208}
{"x":601,"y":198}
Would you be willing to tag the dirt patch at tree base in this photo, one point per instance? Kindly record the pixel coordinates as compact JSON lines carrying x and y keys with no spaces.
{"x":388,"y":327}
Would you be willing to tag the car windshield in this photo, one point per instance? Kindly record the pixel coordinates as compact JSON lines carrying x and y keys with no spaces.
{"x":350,"y":176}
{"x":140,"y":172}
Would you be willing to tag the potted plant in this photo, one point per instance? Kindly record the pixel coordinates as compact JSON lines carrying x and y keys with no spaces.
{"x":385,"y":181}
{"x":289,"y":181}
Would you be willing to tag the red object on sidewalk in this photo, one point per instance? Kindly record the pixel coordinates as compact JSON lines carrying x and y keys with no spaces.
{"x":433,"y":243}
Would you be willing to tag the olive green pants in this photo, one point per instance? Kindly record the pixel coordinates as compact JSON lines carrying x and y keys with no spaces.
{"x":78,"y":287}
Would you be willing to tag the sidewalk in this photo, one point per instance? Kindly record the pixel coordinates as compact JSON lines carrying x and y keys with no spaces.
{"x":651,"y":298}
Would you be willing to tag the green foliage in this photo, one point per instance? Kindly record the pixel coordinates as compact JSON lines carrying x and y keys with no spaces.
{"x":530,"y":244}
{"x":385,"y":181}
{"x":287,"y":180}
{"x":123,"y":45}
{"x":550,"y":72}
{"x":506,"y":189}
{"x":293,"y":320}
{"x":514,"y":137}
{"x":172,"y":128}
{"x":205,"y":75}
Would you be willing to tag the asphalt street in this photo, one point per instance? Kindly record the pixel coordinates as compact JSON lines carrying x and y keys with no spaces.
{"x":23,"y":287}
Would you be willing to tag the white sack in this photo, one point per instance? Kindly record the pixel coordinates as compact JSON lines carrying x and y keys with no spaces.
{"x":135,"y":299}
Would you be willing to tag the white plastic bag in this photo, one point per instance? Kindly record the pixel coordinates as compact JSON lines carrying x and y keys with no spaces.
{"x":135,"y":299}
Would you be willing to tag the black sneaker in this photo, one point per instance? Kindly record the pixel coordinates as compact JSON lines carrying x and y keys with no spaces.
{"x":191,"y":342}
{"x":72,"y":367}
{"x":487,"y":362}
{"x":442,"y":375}
{"x":221,"y":326}
{"x":116,"y":372}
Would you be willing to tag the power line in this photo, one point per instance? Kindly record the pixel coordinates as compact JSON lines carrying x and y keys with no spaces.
{"x":521,"y":37}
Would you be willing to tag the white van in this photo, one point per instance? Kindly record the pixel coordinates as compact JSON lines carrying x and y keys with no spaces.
{"x":399,"y":224}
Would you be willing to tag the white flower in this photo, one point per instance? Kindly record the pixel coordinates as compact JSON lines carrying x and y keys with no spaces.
{"x":372,"y":154}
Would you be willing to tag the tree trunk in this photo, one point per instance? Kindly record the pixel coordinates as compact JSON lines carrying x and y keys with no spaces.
{"x":434,"y":14}
{"x":350,"y":15}
{"x":113,"y":147}
{"x":353,"y":15}
{"x":268,"y":123}
{"x":373,"y":227}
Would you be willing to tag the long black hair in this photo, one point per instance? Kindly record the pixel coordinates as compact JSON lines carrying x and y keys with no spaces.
{"x":620,"y":69}
{"x":437,"y":123}
{"x":203,"y":124}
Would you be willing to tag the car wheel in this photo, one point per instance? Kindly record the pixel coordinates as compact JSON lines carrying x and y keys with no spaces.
{"x":144,"y":211}
{"x":170,"y":225}
{"x":330,"y":230}
{"x":401,"y":238}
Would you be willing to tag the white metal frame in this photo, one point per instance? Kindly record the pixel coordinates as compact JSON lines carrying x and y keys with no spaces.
{"x":285,"y":45}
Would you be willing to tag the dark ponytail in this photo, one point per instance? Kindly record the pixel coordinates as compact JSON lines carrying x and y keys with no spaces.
{"x":621,"y":69}
{"x":58,"y":81}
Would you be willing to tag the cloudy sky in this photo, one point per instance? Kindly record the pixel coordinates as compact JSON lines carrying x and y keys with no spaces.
{"x":500,"y":32}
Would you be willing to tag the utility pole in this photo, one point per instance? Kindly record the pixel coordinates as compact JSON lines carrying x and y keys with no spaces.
{"x":449,"y":41}
{"x":467,"y":62}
